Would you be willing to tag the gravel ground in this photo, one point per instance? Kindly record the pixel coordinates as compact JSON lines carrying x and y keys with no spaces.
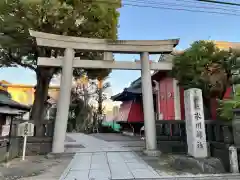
{"x":162,"y":165}
{"x":34,"y":168}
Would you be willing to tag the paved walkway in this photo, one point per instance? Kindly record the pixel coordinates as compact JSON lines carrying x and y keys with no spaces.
{"x":102,"y":160}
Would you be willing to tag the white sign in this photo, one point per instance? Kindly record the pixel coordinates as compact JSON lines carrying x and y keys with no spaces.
{"x":26,"y":129}
{"x":195,"y":125}
{"x":5,"y":130}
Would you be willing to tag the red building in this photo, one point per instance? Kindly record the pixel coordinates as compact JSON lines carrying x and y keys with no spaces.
{"x":168,"y":100}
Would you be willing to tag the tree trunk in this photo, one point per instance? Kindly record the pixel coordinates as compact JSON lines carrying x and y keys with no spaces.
{"x":100,"y":101}
{"x":207,"y":108}
{"x":44,"y":76}
{"x":100,"y":96}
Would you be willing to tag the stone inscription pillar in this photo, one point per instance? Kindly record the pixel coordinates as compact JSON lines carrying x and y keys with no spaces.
{"x":195,"y":125}
{"x":63,"y":102}
{"x":148,"y":109}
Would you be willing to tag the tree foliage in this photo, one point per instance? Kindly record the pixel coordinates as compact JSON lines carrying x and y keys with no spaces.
{"x":205,"y":66}
{"x":226,"y":106}
{"x":79,"y":111}
{"x":89,"y":18}
{"x":81,"y":18}
{"x":82,"y":114}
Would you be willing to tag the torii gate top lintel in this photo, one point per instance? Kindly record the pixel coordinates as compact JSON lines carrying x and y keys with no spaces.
{"x":91,"y":44}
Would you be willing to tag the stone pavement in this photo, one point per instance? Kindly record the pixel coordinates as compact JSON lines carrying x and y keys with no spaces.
{"x":102,"y":160}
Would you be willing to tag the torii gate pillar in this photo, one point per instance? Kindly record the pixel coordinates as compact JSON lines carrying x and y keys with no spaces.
{"x":148,"y":109}
{"x":63,"y":102}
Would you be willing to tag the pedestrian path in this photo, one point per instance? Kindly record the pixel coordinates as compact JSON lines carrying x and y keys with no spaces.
{"x":108,"y":165}
{"x":102,"y":160}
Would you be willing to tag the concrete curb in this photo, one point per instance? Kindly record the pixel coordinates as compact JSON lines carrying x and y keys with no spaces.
{"x":67,"y":169}
{"x":197,"y":177}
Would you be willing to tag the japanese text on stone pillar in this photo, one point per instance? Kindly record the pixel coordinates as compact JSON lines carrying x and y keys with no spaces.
{"x":195,"y":126}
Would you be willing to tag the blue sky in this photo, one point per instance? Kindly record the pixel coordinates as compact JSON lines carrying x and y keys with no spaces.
{"x":140,"y":23}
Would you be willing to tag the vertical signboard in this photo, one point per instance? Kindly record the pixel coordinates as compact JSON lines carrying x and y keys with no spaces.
{"x":25,"y":129}
{"x":195,"y":125}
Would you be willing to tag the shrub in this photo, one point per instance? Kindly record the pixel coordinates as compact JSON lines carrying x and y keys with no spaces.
{"x":226,"y":106}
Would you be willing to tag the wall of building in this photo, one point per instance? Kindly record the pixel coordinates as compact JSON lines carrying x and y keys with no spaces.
{"x":136,"y":112}
{"x":124,"y":111}
{"x":166,"y":99}
{"x":24,"y":94}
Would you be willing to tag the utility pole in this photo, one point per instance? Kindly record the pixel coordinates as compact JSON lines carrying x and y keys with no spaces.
{"x":220,"y":2}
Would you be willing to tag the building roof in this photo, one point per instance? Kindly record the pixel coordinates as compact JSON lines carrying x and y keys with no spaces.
{"x":136,"y":83}
{"x":11,"y":111}
{"x":128,"y":94}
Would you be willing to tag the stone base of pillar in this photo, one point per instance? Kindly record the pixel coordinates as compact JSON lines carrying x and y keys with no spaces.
{"x":152,"y":153}
{"x":59,"y":155}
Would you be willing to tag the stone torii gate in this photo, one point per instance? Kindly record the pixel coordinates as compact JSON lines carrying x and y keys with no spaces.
{"x":68,"y":62}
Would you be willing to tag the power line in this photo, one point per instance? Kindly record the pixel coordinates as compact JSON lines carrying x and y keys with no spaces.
{"x":220,"y":2}
{"x":185,"y":5}
{"x":202,"y":2}
{"x":184,"y":2}
{"x":165,"y":6}
{"x":181,"y":8}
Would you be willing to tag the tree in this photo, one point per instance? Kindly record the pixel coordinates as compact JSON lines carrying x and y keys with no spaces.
{"x":100,"y":96}
{"x":64,"y":17}
{"x":226,"y":106}
{"x":79,"y":111}
{"x":82,"y":115}
{"x":205,"y":66}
